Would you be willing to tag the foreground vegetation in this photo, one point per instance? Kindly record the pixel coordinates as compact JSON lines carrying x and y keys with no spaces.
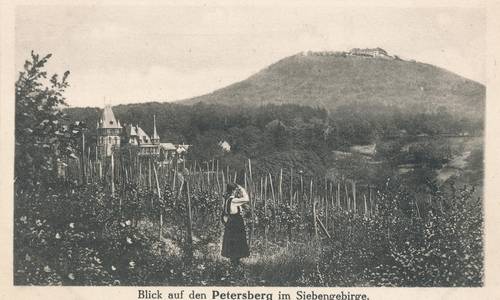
{"x":78,"y":236}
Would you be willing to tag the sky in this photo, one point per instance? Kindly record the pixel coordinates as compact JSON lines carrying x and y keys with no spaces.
{"x":131,"y":54}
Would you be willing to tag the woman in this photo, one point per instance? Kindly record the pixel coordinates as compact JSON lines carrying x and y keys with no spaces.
{"x":234,"y":243}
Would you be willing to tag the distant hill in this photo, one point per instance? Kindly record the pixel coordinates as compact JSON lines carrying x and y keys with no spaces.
{"x":361,"y":76}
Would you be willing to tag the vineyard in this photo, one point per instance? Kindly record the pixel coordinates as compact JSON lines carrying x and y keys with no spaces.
{"x":142,"y":222}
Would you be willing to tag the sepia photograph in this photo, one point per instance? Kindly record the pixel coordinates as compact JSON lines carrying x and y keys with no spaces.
{"x":250,"y":146}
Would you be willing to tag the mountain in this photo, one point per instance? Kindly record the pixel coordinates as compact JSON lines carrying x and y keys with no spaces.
{"x":360,"y":76}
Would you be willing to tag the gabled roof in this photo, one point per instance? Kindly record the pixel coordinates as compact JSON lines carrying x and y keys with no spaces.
{"x":130,"y":130}
{"x":143,"y":137}
{"x":108,"y":119}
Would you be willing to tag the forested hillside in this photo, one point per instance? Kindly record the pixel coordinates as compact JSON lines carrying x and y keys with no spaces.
{"x":294,"y":136}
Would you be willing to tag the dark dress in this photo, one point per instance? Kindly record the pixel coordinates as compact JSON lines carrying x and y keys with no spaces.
{"x":234,"y":243}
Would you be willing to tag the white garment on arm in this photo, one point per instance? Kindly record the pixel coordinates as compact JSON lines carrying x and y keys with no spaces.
{"x":237,"y":202}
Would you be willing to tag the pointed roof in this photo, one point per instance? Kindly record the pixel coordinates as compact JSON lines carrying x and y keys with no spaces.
{"x":108,"y":118}
{"x":155,"y":134}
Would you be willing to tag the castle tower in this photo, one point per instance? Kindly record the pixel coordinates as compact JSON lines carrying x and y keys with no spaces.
{"x":155,"y":139}
{"x":108,"y":133}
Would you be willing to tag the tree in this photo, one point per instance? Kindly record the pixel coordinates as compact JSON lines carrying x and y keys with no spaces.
{"x":40,"y":136}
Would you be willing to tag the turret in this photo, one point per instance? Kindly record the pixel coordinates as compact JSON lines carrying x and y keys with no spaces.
{"x":108,"y":133}
{"x":155,"y":139}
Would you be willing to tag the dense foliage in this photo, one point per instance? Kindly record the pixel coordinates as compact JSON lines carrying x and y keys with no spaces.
{"x":298,"y":137}
{"x":436,"y":244}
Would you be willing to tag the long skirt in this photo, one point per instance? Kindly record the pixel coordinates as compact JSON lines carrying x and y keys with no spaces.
{"x":234,"y":243}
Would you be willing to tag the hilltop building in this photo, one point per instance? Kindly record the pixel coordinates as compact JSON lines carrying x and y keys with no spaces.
{"x":359,"y":52}
{"x":113,"y":137}
{"x":370,"y":52}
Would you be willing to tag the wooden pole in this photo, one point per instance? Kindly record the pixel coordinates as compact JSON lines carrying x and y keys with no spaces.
{"x":149,"y":174}
{"x":140,"y":174}
{"x":280,"y":185}
{"x":208,"y":176}
{"x":89,"y":166}
{"x":190,"y":221}
{"x":112,"y":175}
{"x":354,"y":194}
{"x":84,"y":174}
{"x":265,"y":210}
{"x":213,"y":169}
{"x":130,"y":163}
{"x":323,"y":228}
{"x":195,"y":169}
{"x":332,"y":195}
{"x":301,"y":189}
{"x":370,"y":199}
{"x":418,"y":210}
{"x":366,"y":206}
{"x":161,"y":224}
{"x":274,"y":204}
{"x":245,"y":180}
{"x":311,"y":192}
{"x":223,"y":183}
{"x":174,"y":181}
{"x":326,"y":210}
{"x":158,"y":190}
{"x":347,"y":197}
{"x":272,"y":189}
{"x":265,"y":188}
{"x":291,"y":186}
{"x":217,"y":179}
{"x":261,"y":193}
{"x":252,"y":200}
{"x":315,"y":220}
